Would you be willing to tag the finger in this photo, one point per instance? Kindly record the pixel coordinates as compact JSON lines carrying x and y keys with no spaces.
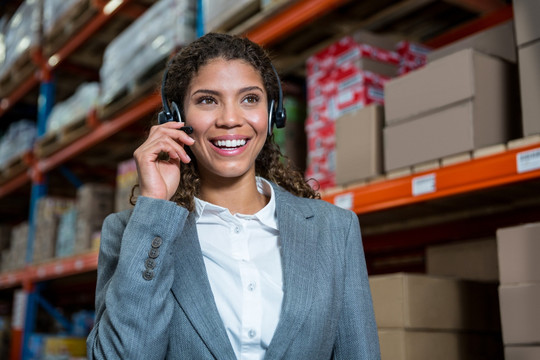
{"x":171,"y":131}
{"x":150,"y":150}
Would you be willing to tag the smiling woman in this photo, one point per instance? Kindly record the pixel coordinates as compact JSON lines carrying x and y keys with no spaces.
{"x":228,"y":253}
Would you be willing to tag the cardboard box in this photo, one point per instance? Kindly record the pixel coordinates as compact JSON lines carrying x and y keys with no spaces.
{"x":522,"y":352}
{"x":471,"y":260}
{"x":526,"y":20}
{"x":415,"y":301}
{"x":401,"y":344}
{"x":520,"y":315}
{"x":518,"y":249}
{"x":359,"y":149}
{"x":529,"y":75}
{"x":498,"y":41}
{"x":465,"y":76}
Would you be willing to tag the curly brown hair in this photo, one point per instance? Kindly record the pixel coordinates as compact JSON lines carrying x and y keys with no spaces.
{"x":270,"y":163}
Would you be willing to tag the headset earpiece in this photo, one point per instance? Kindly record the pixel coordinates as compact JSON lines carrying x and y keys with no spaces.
{"x":277,"y":116}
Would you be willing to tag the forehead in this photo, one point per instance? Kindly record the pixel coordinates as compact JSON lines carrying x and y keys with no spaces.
{"x":227,"y":73}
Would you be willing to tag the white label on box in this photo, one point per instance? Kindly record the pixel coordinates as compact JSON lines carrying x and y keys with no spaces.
{"x":19,"y":309}
{"x":528,"y":160}
{"x":344,"y":201}
{"x":424,"y":184}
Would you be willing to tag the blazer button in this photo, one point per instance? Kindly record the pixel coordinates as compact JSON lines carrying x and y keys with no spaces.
{"x":157,"y":242}
{"x":148,"y":275}
{"x":153,"y":253}
{"x":150,"y":263}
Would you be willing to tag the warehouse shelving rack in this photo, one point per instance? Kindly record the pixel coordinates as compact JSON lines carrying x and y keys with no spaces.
{"x":470,"y":176}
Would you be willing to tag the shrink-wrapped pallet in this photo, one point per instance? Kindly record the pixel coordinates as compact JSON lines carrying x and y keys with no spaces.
{"x":144,"y":45}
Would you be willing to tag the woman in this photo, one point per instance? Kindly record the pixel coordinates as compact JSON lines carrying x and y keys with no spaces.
{"x":227,"y":253}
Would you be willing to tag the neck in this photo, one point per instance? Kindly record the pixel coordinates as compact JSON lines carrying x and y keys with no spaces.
{"x":239,"y":195}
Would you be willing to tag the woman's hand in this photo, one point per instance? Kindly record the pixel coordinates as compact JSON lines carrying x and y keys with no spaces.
{"x":160,"y":178}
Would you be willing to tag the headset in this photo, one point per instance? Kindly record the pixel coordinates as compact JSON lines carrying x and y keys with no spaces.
{"x":276,"y":112}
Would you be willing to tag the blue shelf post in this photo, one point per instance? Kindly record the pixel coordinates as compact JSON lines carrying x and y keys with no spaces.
{"x":39,"y":189}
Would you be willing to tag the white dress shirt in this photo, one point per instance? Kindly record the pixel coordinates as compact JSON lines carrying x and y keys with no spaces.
{"x":243,"y":261}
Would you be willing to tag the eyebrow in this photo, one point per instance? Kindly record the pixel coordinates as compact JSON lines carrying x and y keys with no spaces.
{"x":214,"y":92}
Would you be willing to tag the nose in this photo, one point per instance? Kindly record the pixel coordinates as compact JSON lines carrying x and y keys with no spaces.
{"x":230,"y":116}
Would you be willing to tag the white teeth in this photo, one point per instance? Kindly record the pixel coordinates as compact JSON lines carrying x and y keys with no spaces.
{"x":230,"y":143}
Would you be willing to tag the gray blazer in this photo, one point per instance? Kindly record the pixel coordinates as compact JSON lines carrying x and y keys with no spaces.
{"x":170,"y":313}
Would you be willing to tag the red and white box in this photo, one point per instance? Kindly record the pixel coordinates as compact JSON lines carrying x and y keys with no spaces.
{"x":413,"y":56}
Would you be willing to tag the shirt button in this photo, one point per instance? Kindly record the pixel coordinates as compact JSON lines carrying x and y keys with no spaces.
{"x":252,"y":333}
{"x":237,"y":229}
{"x":251,"y":286}
{"x":157,"y":242}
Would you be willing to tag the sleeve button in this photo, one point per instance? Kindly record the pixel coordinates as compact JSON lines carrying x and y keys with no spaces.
{"x":148,"y":274}
{"x":150,"y":263}
{"x":157,"y":242}
{"x":153,"y":253}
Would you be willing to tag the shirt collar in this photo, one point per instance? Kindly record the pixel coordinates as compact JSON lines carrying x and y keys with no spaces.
{"x":267,"y":215}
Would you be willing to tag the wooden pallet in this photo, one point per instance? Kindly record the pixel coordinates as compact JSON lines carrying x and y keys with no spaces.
{"x":146,"y":84}
{"x":54,"y":141}
{"x":15,"y":166}
{"x":68,"y":24}
{"x":20,"y":70}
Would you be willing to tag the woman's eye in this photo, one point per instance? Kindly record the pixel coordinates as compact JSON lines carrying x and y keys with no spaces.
{"x":252,"y":99}
{"x":207,"y":100}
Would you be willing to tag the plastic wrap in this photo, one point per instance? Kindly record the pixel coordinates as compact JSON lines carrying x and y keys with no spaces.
{"x":166,"y":25}
{"x":74,"y":108}
{"x":22,"y":33}
{"x":19,"y":138}
{"x":54,"y":10}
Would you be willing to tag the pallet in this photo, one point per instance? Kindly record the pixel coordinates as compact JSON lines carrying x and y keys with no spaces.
{"x":20,"y":70}
{"x":13,"y":167}
{"x":145,"y":84}
{"x":68,"y":24}
{"x":54,"y":141}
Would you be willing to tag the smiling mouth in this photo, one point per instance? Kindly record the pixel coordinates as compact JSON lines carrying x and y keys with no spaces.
{"x":229,"y":144}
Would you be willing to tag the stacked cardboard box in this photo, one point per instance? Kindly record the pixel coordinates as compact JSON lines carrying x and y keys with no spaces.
{"x":519,"y":291}
{"x":412,"y":56}
{"x":428,"y":317}
{"x":528,"y":42}
{"x":344,"y":77}
{"x":126,"y":178}
{"x":66,"y":234}
{"x":457,"y":103}
{"x":15,"y":256}
{"x":359,"y":146}
{"x":94,"y":203}
{"x":49,"y":211}
{"x":469,"y":260}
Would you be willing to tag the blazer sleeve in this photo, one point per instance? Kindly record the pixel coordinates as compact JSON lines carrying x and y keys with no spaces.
{"x":133,"y":305}
{"x":357,"y":336}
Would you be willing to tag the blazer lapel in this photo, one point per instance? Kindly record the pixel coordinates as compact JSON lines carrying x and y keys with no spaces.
{"x":191,"y":289}
{"x":298,"y":242}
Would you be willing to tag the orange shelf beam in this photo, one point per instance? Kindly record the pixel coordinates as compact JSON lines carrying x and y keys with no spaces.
{"x":53,"y":269}
{"x":23,"y":89}
{"x":14,"y":183}
{"x":491,"y":19}
{"x":84,"y":34}
{"x":477,"y":174}
{"x":100,"y":133}
{"x":291,"y":18}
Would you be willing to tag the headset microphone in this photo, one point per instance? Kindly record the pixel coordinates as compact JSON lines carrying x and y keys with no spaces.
{"x":167,"y":115}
